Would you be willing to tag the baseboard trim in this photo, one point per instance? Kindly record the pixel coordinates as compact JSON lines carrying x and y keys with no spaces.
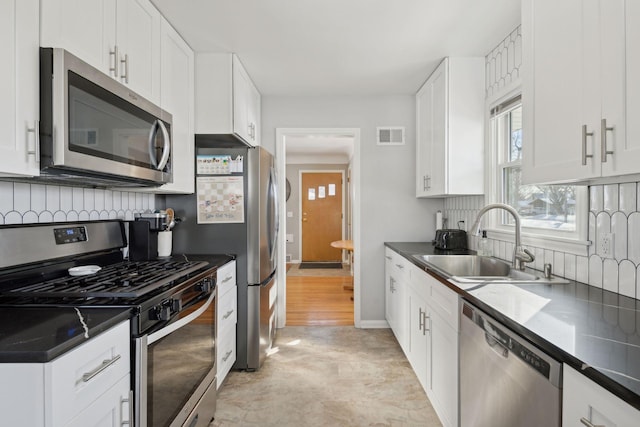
{"x":373,"y":324}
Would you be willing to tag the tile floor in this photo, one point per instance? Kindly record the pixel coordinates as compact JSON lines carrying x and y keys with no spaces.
{"x":327,"y":376}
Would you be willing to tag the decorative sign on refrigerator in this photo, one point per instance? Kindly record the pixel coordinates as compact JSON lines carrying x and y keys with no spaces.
{"x":220,"y":199}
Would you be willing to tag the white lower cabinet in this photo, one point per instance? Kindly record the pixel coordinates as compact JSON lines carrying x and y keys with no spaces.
{"x":430,"y":312}
{"x":112,"y":409}
{"x":87,"y":386}
{"x":419,"y":337}
{"x":226,"y":319}
{"x":585,"y":403}
{"x":443,"y":375}
{"x":396,"y":298}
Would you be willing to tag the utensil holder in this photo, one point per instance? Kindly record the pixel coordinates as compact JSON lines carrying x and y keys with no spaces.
{"x":164,"y":243}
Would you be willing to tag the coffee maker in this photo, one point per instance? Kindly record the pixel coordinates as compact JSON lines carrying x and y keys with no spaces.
{"x":143,"y":235}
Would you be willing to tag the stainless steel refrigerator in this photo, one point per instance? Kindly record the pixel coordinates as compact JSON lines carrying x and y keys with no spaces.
{"x":253,"y":240}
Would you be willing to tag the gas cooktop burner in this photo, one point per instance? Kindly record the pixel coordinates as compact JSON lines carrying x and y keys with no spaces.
{"x":121,"y":280}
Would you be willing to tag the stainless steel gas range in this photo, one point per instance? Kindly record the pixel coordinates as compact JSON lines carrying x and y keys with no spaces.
{"x":171,"y":303}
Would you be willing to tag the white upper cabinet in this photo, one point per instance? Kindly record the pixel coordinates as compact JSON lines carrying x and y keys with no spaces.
{"x":19,"y":83}
{"x":227,"y":101}
{"x":450,"y":130}
{"x":177,"y":97}
{"x":119,"y":37}
{"x":580,"y":97}
{"x":138,"y":41}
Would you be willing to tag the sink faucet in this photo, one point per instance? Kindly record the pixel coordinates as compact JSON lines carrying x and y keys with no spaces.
{"x":520,"y":255}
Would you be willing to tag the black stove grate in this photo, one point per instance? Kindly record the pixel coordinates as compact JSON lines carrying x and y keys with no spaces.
{"x":122,"y":280}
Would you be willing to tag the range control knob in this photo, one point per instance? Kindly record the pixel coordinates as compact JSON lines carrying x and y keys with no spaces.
{"x":161,"y":312}
{"x":176,"y":305}
{"x":205,"y":285}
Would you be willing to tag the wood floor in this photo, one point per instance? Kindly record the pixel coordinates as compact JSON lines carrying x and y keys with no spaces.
{"x":319,"y":301}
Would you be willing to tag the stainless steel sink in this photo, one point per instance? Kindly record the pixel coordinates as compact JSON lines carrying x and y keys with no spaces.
{"x":475,"y":269}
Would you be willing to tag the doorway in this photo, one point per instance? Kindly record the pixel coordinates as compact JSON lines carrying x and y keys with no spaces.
{"x":290,"y":231}
{"x":322,"y":214}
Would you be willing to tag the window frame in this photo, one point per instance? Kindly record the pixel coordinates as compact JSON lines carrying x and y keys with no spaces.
{"x":573,"y":242}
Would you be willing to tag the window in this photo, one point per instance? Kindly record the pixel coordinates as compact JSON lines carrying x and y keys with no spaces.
{"x":550,"y":210}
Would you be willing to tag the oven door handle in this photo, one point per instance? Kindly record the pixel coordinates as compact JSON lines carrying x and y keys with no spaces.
{"x":180,"y":323}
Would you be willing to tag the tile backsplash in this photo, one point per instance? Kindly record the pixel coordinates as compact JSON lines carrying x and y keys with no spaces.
{"x":22,"y":203}
{"x":614,"y":209}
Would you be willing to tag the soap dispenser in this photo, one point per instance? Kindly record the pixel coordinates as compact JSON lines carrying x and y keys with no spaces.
{"x":484,"y":245}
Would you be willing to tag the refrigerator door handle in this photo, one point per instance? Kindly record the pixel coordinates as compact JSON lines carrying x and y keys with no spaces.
{"x":273,"y":213}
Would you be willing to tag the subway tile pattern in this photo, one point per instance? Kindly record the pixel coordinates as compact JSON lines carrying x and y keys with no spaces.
{"x":613,"y":208}
{"x":22,"y":203}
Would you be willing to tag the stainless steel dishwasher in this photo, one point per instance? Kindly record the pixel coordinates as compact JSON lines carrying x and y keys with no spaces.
{"x":504,"y":380}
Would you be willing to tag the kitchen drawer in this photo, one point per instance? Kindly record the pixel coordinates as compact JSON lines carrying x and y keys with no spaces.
{"x":398,"y":263}
{"x":226,"y":278}
{"x":225,"y":354}
{"x":227,"y":311}
{"x":85,"y":373}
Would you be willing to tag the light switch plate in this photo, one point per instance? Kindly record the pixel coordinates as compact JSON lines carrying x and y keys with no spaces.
{"x":289,"y":214}
{"x":289,"y":238}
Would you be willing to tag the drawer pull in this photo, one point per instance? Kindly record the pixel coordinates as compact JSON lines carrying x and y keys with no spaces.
{"x":227,"y":314}
{"x":227,"y":355}
{"x":387,"y":257}
{"x":105,"y":364}
{"x":226,"y":279}
{"x":588,"y":423}
{"x":400,"y":266}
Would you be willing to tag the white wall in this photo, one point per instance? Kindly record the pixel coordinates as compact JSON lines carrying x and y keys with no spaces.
{"x":390,"y":210}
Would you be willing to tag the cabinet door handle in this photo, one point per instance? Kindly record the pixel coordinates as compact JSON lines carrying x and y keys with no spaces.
{"x":129,"y":402}
{"x":424,"y":183}
{"x":603,"y":140}
{"x":114,"y":53}
{"x":36,"y":138}
{"x":86,"y":377}
{"x":125,"y":74}
{"x":585,"y":134}
{"x":420,"y":319}
{"x":226,"y":356}
{"x":226,"y":279}
{"x":425,"y":329}
{"x":392,"y":284}
{"x":227,"y":314}
{"x":588,"y":423}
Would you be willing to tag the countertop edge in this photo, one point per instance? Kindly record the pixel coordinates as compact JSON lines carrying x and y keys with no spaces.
{"x":557,"y":353}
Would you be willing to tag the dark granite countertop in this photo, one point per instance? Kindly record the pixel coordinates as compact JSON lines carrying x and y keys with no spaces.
{"x":597,"y":332}
{"x":40,"y":334}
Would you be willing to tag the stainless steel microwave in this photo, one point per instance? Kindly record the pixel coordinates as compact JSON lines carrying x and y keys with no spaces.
{"x":96,"y":131}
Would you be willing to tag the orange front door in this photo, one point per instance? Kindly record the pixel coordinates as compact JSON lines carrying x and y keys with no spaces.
{"x":321,"y":215}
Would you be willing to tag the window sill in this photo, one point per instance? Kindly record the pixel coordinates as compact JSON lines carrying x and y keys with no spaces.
{"x":570,"y":246}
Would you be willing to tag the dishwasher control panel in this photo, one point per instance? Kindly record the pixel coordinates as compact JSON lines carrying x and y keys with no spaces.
{"x":495,"y":335}
{"x":529,"y":357}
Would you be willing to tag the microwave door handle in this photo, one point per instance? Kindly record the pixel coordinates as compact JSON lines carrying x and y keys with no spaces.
{"x":166,"y":150}
{"x":153,"y":131}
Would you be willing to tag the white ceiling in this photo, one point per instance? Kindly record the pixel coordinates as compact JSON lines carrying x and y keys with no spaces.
{"x":342,"y":47}
{"x":311,"y":148}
